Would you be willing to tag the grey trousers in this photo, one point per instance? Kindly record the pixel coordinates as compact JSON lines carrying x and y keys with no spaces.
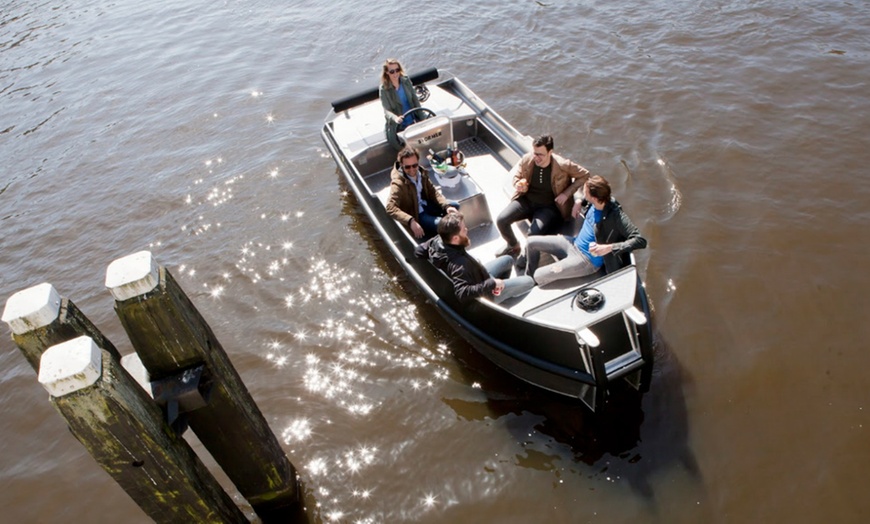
{"x":571,"y":263}
{"x":513,"y":287}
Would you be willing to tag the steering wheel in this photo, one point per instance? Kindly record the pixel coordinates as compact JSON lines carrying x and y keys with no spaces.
{"x":428,"y":112}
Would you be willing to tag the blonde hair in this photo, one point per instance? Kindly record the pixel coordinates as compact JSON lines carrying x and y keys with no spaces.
{"x":385,"y":77}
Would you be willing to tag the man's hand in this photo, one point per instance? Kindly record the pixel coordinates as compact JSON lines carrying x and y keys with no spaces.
{"x":522,"y":185}
{"x":417,"y":229}
{"x":499,"y":285}
{"x":578,"y":207}
{"x":561,"y":198}
{"x":599,"y":250}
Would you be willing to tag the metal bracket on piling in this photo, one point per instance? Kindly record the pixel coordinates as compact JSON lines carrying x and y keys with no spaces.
{"x":182,"y":393}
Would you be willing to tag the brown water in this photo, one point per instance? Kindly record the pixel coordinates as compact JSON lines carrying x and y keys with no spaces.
{"x":734,"y":133}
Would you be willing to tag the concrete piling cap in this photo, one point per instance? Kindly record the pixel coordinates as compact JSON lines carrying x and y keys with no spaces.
{"x":132,"y":276}
{"x":32,"y":308}
{"x":70,"y":366}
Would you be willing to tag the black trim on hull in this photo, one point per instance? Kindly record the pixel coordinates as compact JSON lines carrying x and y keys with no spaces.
{"x":481,"y":340}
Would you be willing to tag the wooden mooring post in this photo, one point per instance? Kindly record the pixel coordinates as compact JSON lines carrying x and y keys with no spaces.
{"x":126,"y":433}
{"x":40,"y":318}
{"x":171,"y":339}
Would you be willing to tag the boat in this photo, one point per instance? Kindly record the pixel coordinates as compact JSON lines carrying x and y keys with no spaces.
{"x":555,"y":337}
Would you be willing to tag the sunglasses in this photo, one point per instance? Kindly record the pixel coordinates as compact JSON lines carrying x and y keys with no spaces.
{"x":410,"y":166}
{"x":393,"y":71}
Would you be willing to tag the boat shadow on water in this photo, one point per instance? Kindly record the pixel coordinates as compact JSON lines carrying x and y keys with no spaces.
{"x":637,"y":438}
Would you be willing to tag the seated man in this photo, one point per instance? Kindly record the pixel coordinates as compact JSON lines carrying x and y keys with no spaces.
{"x":544,"y":186}
{"x":414,"y":201}
{"x":471,"y":278}
{"x":606,"y":237}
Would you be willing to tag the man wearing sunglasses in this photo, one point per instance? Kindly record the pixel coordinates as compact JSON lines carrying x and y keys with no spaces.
{"x":413,"y":200}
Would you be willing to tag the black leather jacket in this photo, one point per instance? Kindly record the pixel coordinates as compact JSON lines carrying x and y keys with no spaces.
{"x":470,"y":278}
{"x":617,"y":229}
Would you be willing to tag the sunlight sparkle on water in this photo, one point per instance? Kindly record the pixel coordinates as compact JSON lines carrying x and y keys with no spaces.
{"x":364,"y":494}
{"x":354,"y":460}
{"x":298,"y":431}
{"x":317,"y":467}
{"x":429,"y":500}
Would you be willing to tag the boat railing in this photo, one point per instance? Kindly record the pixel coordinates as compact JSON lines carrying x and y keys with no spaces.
{"x":493,"y":121}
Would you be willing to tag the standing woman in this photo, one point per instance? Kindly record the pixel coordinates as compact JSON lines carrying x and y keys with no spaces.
{"x":398,"y":96}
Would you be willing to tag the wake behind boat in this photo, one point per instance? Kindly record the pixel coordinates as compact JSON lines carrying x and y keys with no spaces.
{"x":574,"y":337}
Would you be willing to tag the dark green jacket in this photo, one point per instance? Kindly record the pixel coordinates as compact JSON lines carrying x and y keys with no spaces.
{"x":616,"y":228}
{"x":390,"y":98}
{"x":393,"y":108}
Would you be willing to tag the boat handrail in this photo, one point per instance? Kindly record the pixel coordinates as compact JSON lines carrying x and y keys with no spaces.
{"x":348,"y":102}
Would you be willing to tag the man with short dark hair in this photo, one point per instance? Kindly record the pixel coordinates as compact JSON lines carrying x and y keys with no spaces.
{"x":606,"y":238}
{"x":414,"y":201}
{"x":471,"y":278}
{"x":544,"y":186}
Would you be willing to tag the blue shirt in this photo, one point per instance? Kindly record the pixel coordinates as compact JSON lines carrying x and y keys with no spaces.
{"x":587,"y":235}
{"x":406,"y":105}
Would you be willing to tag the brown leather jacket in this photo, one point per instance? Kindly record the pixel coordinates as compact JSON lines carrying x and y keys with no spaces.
{"x":566,"y":177}
{"x":402,"y":204}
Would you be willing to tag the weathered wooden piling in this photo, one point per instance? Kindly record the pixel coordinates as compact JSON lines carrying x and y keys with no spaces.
{"x":172,"y":338}
{"x":40,"y":318}
{"x":125,"y":432}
